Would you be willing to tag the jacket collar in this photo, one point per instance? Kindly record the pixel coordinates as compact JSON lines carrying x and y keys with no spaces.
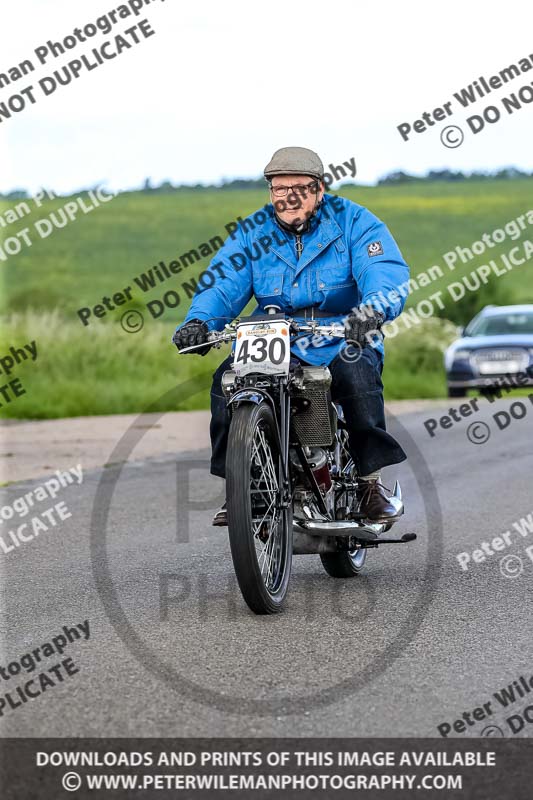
{"x":324,"y":229}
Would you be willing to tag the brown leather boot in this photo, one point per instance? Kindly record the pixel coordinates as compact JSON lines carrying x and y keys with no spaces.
{"x":374,"y":502}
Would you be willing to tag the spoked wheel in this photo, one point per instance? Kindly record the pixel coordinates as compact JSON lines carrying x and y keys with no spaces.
{"x":260,"y":531}
{"x":345,"y":563}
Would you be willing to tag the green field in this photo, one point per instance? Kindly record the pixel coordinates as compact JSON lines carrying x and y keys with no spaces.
{"x":101,"y":369}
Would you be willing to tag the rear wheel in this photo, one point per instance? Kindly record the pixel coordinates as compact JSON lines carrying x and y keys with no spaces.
{"x":260,"y":531}
{"x":345,"y":563}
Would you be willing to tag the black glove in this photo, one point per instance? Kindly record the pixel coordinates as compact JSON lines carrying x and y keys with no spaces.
{"x":193,"y":332}
{"x":359,"y":324}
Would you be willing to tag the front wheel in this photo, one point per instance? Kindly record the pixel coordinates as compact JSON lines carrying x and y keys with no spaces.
{"x":260,"y":530}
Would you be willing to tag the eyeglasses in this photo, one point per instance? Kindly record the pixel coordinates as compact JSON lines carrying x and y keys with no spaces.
{"x":299,"y":188}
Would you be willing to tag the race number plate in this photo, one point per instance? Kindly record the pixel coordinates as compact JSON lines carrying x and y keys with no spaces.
{"x":262,"y":347}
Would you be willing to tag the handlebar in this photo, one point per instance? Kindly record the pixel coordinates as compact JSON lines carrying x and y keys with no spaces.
{"x":217,"y":338}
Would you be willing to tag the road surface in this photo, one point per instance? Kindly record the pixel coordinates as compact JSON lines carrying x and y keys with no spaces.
{"x":414,"y":643}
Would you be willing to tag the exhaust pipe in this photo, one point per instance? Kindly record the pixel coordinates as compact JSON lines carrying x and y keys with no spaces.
{"x":396,"y":500}
{"x":364,"y":532}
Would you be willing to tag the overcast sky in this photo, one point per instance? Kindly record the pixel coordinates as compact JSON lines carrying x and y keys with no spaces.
{"x":223,"y":84}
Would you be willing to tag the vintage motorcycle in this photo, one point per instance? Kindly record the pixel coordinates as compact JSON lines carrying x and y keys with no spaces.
{"x":290,"y":480}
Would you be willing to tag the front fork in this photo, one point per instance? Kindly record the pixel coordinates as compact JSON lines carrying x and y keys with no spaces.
{"x":282,"y":423}
{"x":284,"y":430}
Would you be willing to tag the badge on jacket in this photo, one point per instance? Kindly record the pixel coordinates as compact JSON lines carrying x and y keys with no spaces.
{"x":375,"y":249}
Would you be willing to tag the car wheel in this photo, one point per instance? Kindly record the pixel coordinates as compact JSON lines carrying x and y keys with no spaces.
{"x":454,"y":392}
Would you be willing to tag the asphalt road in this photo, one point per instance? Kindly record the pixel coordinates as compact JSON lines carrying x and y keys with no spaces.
{"x":173,"y":651}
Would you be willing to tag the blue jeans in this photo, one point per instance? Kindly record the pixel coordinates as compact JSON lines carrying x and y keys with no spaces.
{"x":356,"y":386}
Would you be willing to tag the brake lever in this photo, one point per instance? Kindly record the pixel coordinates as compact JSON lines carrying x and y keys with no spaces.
{"x":214,"y":339}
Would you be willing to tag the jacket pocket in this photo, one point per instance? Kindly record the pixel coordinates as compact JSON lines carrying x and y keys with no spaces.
{"x":268,"y":284}
{"x":333,"y":277}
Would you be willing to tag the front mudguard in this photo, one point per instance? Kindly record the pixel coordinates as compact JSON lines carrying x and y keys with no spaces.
{"x":258,"y":396}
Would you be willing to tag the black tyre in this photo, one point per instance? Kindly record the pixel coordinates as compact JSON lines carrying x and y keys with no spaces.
{"x":453,"y":392}
{"x":260,"y":532}
{"x":344,"y":564}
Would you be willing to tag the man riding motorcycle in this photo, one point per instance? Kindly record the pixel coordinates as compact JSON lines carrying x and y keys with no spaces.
{"x":315,"y":256}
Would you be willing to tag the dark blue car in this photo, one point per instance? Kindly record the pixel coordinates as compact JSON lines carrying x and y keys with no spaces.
{"x":496,"y":344}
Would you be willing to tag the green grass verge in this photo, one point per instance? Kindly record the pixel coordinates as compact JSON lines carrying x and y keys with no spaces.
{"x":107,"y":371}
{"x":100,"y":369}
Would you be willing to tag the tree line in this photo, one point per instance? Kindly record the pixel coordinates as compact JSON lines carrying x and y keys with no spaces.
{"x":392,"y":178}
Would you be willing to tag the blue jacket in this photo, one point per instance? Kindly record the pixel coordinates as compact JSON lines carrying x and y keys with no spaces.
{"x":349,"y":258}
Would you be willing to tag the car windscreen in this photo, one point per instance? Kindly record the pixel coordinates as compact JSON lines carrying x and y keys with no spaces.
{"x":499,"y":324}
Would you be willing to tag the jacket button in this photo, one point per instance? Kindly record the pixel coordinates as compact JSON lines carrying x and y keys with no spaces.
{"x":321,"y":285}
{"x":295,"y":285}
{"x":276,"y":290}
{"x":319,"y":245}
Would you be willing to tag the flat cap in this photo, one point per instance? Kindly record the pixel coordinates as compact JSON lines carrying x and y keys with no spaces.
{"x":295,"y":161}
